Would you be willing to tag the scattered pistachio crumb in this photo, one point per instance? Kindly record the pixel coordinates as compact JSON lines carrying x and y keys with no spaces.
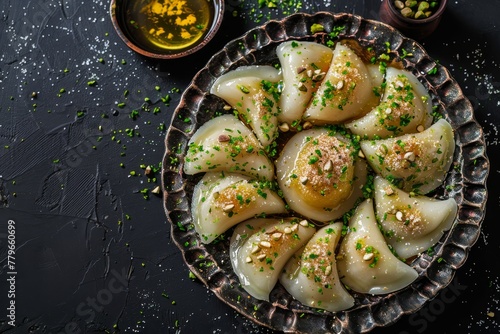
{"x":156,"y":190}
{"x":316,"y":27}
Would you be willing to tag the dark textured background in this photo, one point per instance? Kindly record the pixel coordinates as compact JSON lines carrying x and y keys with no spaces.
{"x":93,"y":255}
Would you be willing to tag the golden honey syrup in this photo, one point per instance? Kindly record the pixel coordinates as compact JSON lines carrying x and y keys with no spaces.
{"x":164,"y":25}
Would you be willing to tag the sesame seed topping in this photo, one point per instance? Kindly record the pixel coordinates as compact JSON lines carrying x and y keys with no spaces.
{"x":265,"y":244}
{"x":227,"y":107}
{"x":340,"y":85}
{"x":399,"y":216}
{"x":304,"y":223}
{"x":228,"y":208}
{"x":389,"y":191}
{"x":307,"y":125}
{"x":284,"y":127}
{"x":271,"y":230}
{"x":410,"y":156}
{"x":276,"y":235}
{"x":256,"y":249}
{"x":328,"y":166}
{"x":368,"y":256}
{"x":261,"y":257}
{"x":328,"y":270}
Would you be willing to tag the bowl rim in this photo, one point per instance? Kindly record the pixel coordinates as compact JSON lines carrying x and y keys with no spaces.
{"x":436,"y":15}
{"x":218,"y":15}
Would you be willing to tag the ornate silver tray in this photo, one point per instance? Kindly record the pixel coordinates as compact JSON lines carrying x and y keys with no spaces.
{"x":466,"y":181}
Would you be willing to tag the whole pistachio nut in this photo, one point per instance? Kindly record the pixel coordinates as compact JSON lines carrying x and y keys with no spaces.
{"x":407,"y":12}
{"x":423,"y":6}
{"x":399,"y":4}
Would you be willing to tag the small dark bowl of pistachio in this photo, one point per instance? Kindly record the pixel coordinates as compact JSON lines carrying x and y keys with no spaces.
{"x":416,"y":19}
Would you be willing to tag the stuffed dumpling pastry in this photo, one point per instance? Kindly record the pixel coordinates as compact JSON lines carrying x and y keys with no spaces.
{"x":311,"y":276}
{"x":222,"y":200}
{"x":405,"y":108}
{"x":225,"y":144}
{"x":320,"y":174}
{"x":252,"y":91}
{"x":303,"y":65}
{"x":411,"y":224}
{"x":365,"y":262}
{"x":346,"y":92}
{"x":414,"y":162}
{"x":260,"y":248}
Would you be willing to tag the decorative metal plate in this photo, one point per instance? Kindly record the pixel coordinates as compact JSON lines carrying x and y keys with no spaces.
{"x":466,"y":181}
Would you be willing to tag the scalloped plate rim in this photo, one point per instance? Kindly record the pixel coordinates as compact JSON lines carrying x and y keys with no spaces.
{"x":477,"y":221}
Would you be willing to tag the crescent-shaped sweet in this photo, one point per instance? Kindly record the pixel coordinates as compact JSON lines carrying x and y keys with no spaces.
{"x":417,"y":162}
{"x":411,"y":224}
{"x":346,"y":92}
{"x":222,"y":200}
{"x":303,"y":65}
{"x":320,"y":175}
{"x":365,"y":262}
{"x":311,"y":276}
{"x":224,"y":143}
{"x":405,"y":108}
{"x":252,"y":91}
{"x":260,"y":248}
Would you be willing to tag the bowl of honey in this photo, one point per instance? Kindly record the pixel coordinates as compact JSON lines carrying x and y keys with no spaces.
{"x":166,"y":29}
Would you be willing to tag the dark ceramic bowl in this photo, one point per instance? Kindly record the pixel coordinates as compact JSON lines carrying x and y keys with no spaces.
{"x":414,"y":28}
{"x":466,"y":182}
{"x":120,"y":11}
